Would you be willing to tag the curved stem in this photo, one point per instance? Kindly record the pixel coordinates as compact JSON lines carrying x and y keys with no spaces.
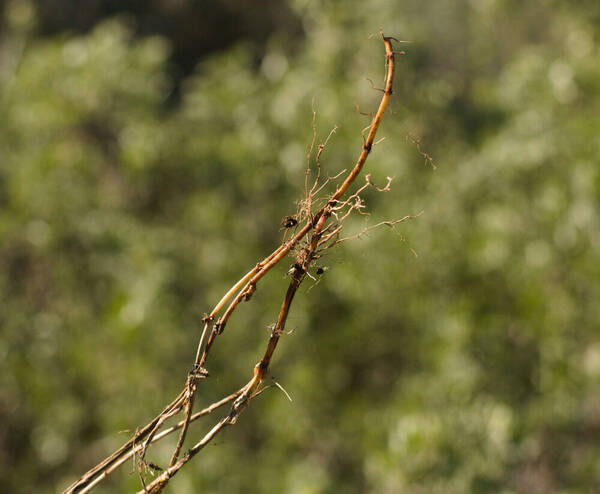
{"x":244,"y":289}
{"x":317,"y":223}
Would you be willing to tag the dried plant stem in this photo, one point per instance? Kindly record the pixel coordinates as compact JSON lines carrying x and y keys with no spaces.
{"x":315,"y":232}
{"x":301,"y":268}
{"x":109,"y":461}
{"x":387,"y":92}
{"x":243,"y":399}
{"x":132,"y":449}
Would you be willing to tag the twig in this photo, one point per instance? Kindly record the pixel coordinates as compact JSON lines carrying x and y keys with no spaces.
{"x":417,"y":142}
{"x":390,"y":223}
{"x":136,"y":449}
{"x":123,"y":450}
{"x":284,"y":391}
{"x":317,"y":226}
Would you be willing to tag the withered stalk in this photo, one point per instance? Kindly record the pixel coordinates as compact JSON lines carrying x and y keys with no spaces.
{"x":311,"y":234}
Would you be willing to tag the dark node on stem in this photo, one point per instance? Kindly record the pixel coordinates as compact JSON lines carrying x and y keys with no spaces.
{"x":367,"y":148}
{"x":320,"y":270}
{"x":389,"y":91}
{"x":249,"y":291}
{"x":207,"y":318}
{"x":261,"y":369}
{"x":198,"y":372}
{"x":219,"y":327}
{"x":302,"y":260}
{"x":296,"y":269}
{"x":289,"y":222}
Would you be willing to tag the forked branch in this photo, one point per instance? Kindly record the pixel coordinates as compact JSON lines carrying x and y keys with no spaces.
{"x":320,"y":227}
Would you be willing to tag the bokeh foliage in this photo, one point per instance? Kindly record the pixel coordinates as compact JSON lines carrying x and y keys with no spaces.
{"x":471,"y":367}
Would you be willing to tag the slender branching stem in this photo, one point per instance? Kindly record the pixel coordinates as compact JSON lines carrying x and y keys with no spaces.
{"x":307,"y":241}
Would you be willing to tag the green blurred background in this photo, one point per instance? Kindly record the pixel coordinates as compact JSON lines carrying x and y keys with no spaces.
{"x":148,"y":151}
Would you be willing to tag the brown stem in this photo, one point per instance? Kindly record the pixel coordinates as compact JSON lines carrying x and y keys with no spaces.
{"x":158,"y":437}
{"x":387,"y":92}
{"x":86,"y":478}
{"x":244,"y":287}
{"x":241,"y":402}
{"x":189,"y":407}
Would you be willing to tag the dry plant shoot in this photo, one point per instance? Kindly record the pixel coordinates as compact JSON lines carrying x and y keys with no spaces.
{"x":317,"y":226}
